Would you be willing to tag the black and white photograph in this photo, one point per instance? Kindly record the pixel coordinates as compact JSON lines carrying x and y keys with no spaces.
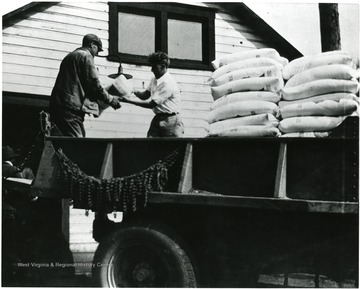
{"x":180,"y":144}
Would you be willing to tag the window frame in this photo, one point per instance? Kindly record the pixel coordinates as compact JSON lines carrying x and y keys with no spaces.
{"x":162,"y":12}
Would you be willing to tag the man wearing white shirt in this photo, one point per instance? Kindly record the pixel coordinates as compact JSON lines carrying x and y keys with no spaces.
{"x":163,"y":97}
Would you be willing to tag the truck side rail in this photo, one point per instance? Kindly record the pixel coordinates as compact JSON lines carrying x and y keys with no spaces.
{"x":314,"y":175}
{"x":280,"y":204}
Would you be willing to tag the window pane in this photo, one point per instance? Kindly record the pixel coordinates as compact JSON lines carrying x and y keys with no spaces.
{"x":136,"y":34}
{"x":184,"y":39}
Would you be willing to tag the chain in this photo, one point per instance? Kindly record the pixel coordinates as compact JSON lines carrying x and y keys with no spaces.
{"x":45,"y":128}
{"x":45,"y":124}
{"x":116,"y":194}
{"x":24,"y":162}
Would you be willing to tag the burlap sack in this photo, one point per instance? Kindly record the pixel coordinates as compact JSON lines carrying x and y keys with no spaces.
{"x":119,"y":86}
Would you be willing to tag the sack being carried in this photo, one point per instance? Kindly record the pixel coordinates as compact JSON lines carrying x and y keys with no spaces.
{"x":120,"y":86}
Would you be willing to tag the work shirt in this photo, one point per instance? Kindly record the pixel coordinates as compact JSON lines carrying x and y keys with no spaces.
{"x":77,"y":86}
{"x":165,"y":93}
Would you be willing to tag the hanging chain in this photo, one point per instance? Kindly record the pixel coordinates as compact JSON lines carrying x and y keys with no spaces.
{"x":110,"y":195}
{"x":116,"y":194}
{"x":45,"y":129}
{"x":45,"y":124}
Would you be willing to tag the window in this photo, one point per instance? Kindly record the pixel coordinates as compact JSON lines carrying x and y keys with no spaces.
{"x":180,"y":35}
{"x":185,"y":32}
{"x":131,"y":27}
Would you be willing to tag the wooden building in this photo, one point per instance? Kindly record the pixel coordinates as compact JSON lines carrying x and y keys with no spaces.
{"x":38,"y":36}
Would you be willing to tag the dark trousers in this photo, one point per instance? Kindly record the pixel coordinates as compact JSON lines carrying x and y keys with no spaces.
{"x":69,"y":122}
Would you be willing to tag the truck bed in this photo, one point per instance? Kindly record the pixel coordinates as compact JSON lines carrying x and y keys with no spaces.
{"x":318,"y":175}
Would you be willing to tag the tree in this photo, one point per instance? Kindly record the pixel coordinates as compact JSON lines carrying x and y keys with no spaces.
{"x":329,"y":27}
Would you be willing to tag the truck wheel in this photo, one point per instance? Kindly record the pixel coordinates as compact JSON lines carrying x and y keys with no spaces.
{"x":141,"y":256}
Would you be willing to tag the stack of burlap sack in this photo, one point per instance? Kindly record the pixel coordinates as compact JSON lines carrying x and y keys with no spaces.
{"x":319,"y":94}
{"x":251,"y":99}
{"x":246,"y":89}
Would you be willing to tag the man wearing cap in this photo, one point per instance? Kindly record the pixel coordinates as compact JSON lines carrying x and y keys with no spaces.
{"x":77,"y":89}
{"x":8,"y":168}
{"x":163,"y":97}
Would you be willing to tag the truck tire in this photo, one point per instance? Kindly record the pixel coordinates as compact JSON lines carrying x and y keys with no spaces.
{"x":141,"y":256}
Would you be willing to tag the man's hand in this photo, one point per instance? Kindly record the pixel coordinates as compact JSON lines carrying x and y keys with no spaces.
{"x":115,"y":103}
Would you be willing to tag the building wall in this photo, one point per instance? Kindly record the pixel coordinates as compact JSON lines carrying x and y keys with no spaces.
{"x":35,"y":44}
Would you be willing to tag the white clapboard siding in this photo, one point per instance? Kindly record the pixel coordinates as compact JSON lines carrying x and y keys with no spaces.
{"x":222,"y":15}
{"x":99,"y":133}
{"x":67,"y":36}
{"x":114,"y":126}
{"x":19,"y":88}
{"x":51,"y":26}
{"x":33,"y":51}
{"x":95,"y":6}
{"x":69,"y":19}
{"x":236,"y":42}
{"x":231,"y":35}
{"x":236,"y":24}
{"x":111,"y":125}
{"x":26,"y":80}
{"x":29,"y":70}
{"x":36,"y":42}
{"x":201,"y":97}
{"x":231,"y":32}
{"x":140,"y":115}
{"x":49,"y":45}
{"x":87,"y":12}
{"x":31,"y":60}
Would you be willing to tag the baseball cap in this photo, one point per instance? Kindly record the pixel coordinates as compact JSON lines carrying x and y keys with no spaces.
{"x":88,"y":38}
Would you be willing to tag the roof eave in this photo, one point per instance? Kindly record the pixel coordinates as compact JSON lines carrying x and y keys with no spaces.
{"x":270,"y":35}
{"x":8,"y":17}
